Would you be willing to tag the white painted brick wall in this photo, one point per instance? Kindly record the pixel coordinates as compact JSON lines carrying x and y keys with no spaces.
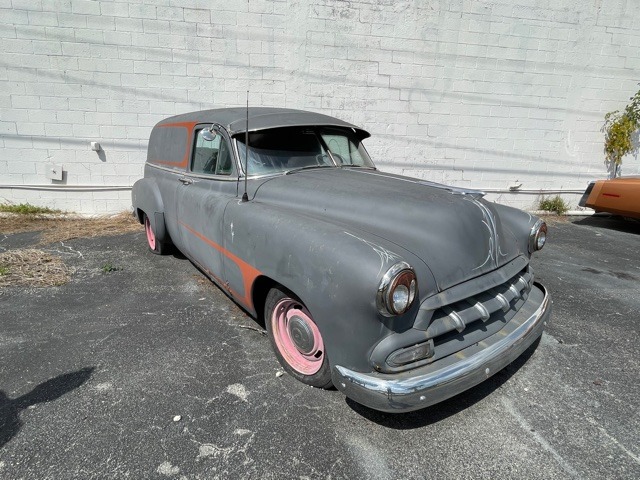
{"x":475,"y":93}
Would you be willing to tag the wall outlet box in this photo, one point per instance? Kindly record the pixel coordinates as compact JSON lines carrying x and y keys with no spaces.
{"x":95,"y":146}
{"x":53,"y":172}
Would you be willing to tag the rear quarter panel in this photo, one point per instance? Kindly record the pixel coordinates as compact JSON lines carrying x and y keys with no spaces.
{"x":620,"y":196}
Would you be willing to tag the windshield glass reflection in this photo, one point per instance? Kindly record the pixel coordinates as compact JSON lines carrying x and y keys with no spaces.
{"x":285,"y":149}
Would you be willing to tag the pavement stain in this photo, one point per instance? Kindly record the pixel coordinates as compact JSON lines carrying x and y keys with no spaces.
{"x":620,"y":275}
{"x":166,"y":469}
{"x":239,"y":391}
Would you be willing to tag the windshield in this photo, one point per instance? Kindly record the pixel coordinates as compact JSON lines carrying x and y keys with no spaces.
{"x":290,"y":148}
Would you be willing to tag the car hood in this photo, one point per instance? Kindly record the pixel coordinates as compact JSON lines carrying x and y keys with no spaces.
{"x":455,"y":232}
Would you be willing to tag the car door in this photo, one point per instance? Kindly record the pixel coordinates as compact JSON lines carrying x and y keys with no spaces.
{"x":209,"y":184}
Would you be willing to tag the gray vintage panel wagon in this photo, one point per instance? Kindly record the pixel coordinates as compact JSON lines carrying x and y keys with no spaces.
{"x":397,"y":291}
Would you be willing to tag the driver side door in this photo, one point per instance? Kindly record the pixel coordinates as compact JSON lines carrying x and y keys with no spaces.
{"x":209,"y":184}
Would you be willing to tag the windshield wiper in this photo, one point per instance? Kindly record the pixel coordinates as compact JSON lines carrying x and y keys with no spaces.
{"x":307,"y":167}
{"x":367,"y":167}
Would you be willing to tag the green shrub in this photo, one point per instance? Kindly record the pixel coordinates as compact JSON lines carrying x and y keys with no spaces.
{"x":555,"y":204}
{"x":26,"y":209}
{"x":619,"y":128}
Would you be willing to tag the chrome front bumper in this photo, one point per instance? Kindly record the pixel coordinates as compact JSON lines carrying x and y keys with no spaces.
{"x":451,"y":375}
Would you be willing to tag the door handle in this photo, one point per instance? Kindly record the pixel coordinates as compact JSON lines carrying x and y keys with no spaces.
{"x":185,"y":181}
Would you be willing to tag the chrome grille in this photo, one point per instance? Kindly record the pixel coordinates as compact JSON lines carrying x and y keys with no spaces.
{"x":481,"y":306}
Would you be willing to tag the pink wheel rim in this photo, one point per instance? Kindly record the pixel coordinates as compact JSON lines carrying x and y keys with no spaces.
{"x":151,"y":237}
{"x":297,"y":337}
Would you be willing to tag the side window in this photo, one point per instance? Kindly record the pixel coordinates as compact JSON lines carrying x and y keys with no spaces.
{"x":345,"y":148}
{"x":211,"y":157}
{"x":223,"y":165}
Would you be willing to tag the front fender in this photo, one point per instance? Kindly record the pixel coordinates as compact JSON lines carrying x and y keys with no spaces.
{"x":334,"y":269}
{"x":519,"y":224}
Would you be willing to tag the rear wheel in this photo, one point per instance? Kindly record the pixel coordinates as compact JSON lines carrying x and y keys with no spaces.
{"x":155,"y":245}
{"x":296,"y":339}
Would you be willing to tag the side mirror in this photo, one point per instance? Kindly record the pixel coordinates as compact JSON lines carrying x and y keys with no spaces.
{"x":208,"y":133}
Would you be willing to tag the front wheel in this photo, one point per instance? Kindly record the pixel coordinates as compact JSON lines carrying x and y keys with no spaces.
{"x":296,"y":339}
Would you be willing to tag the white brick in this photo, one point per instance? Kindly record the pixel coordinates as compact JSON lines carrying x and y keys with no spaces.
{"x":101,"y":22}
{"x":68,"y":20}
{"x":7,"y":128}
{"x":56,"y":5}
{"x":50,"y":47}
{"x":82,"y":104}
{"x":197,"y":15}
{"x":85,"y":7}
{"x":22,"y":101}
{"x":14,"y":17}
{"x":114,"y":9}
{"x":142,"y":11}
{"x":170,"y":13}
{"x":129,"y":24}
{"x":43,"y":18}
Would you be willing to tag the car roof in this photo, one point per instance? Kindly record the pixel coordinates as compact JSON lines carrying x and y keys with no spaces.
{"x":261,"y":118}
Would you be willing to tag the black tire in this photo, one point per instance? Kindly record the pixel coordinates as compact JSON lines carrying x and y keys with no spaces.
{"x":155,"y":246}
{"x":309,"y":365}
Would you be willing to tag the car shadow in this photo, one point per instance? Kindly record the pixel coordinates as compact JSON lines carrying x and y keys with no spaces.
{"x":611,"y":222}
{"x":177,"y":254}
{"x":48,"y":391}
{"x":447,"y":408}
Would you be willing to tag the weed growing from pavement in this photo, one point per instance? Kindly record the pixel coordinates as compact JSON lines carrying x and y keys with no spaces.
{"x":109,"y":267}
{"x":3,"y":270}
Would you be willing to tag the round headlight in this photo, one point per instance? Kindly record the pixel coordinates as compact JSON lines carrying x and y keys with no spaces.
{"x":538,"y":236}
{"x":400,"y":298}
{"x":397,"y":290}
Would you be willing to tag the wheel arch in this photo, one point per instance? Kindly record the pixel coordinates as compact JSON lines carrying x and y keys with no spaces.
{"x":259,"y":291}
{"x":147,"y":200}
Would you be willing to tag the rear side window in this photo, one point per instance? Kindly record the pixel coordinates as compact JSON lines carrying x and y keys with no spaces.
{"x":167,"y":145}
{"x":211,"y":157}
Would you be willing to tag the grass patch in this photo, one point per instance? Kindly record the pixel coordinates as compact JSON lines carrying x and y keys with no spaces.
{"x":60,"y":229}
{"x":26,"y":209}
{"x":30,"y":267}
{"x":93,"y":227}
{"x":4,"y":270}
{"x":554,"y":204}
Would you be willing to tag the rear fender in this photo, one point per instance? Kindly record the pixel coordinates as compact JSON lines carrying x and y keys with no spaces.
{"x":146,"y":198}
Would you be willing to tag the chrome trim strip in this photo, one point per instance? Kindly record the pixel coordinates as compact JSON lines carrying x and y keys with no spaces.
{"x":218,"y":178}
{"x":387,"y":279}
{"x":179,"y":171}
{"x":399,"y":393}
{"x":223,"y":178}
{"x":532,"y":235}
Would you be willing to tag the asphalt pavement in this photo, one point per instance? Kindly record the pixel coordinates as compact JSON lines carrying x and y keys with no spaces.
{"x":150,"y":371}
